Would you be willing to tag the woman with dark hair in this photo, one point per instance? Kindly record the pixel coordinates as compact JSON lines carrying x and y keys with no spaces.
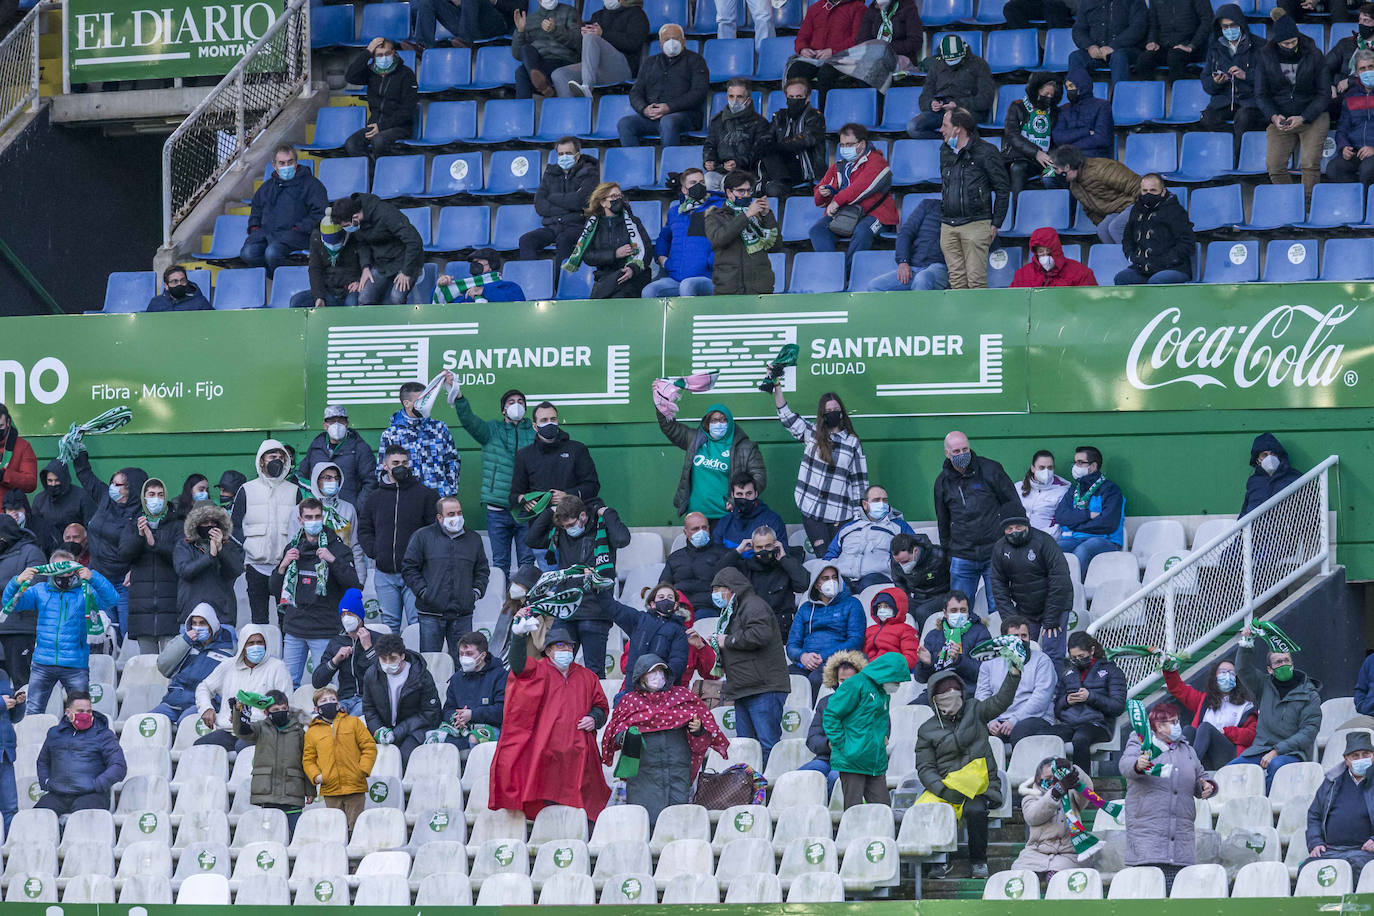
{"x":833,"y":476}
{"x":1040,"y":492}
{"x":194,"y":492}
{"x":1091,"y":695}
{"x":616,"y":243}
{"x":1224,"y":715}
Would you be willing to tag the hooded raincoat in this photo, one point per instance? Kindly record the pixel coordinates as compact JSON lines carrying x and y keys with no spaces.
{"x":856,"y":718}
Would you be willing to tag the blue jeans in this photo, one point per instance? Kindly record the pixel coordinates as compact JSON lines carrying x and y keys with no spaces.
{"x":257,"y":251}
{"x":294,"y":650}
{"x":354,"y":705}
{"x":9,"y":794}
{"x":822,"y":239}
{"x":964,"y":576}
{"x":502,"y":529}
{"x":1056,"y":647}
{"x":932,"y":276}
{"x":591,"y":636}
{"x":176,"y":715}
{"x":1120,"y":64}
{"x":1132,"y":277}
{"x":1085,"y":549}
{"x":821,"y":765}
{"x":435,"y":630}
{"x":670,"y":127}
{"x":42,"y":679}
{"x":303,"y":300}
{"x":1278,"y":763}
{"x":760,"y":717}
{"x":121,"y":610}
{"x":688,"y":286}
{"x":391,"y":590}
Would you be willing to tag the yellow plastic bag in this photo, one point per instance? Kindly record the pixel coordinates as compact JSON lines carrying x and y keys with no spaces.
{"x":970,"y":780}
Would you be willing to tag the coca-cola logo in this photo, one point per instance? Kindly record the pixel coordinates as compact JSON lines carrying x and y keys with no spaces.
{"x":1289,"y":345}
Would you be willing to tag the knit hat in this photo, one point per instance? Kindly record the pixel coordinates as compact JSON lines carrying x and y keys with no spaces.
{"x":1013,"y":513}
{"x":330,"y":231}
{"x":1284,"y":26}
{"x":951,"y":47}
{"x":352,"y":603}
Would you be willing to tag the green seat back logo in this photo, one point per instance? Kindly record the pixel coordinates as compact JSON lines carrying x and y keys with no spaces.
{"x":505,"y":854}
{"x":97,"y":692}
{"x":206,"y":860}
{"x":372,"y":609}
{"x":35,"y":792}
{"x":609,"y":666}
{"x":378,"y":792}
{"x":33,"y":888}
{"x":1326,"y":875}
{"x":815,"y":853}
{"x":876,"y":851}
{"x":631,"y":888}
{"x":147,"y":822}
{"x":1172,"y":562}
{"x":1015,"y":888}
{"x":1073,"y":620}
{"x":1078,"y":882}
{"x":266,"y":861}
{"x":744,"y":821}
{"x":201,"y":728}
{"x":147,"y":726}
{"x":324,"y":891}
{"x":791,"y":720}
{"x":485,"y":631}
{"x":728,"y":719}
{"x":563,"y":856}
{"x":1256,"y":843}
{"x":438,"y":821}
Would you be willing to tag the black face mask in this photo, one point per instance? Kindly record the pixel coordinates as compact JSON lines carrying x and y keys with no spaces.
{"x":64,"y":583}
{"x":617,"y":206}
{"x":696,"y":192}
{"x":400,"y":473}
{"x":745,"y":506}
{"x":833,"y":418}
{"x":1017,"y":538}
{"x":1287,"y":54}
{"x":275,"y":467}
{"x":665,"y":607}
{"x":1073,"y":94}
{"x":328,"y":711}
{"x":766,"y":558}
{"x":73,"y":548}
{"x":1045,"y":101}
{"x":1367,"y":31}
{"x":1082,"y":663}
{"x":796,"y":106}
{"x":280,"y":718}
{"x":51,"y":487}
{"x":179,"y":292}
{"x":1149,"y":201}
{"x":204,"y":532}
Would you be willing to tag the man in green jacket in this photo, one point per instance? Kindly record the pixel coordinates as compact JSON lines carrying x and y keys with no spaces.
{"x":500,"y":440}
{"x":1290,"y":708}
{"x":857,"y":724}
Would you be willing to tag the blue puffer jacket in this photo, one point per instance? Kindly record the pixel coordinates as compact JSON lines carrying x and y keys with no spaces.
{"x":918,"y":241}
{"x":1356,"y":127}
{"x":61,"y":619}
{"x":1087,"y":123}
{"x":826,"y":628}
{"x":91,"y":761}
{"x":684,"y":239}
{"x":187,"y":664}
{"x":289,"y":210}
{"x":9,"y":742}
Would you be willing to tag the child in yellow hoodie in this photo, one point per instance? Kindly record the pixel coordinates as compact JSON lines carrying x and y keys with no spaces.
{"x":339,"y":755}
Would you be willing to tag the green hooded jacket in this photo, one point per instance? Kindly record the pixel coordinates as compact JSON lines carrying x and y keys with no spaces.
{"x":856,"y":716}
{"x":744,"y":454}
{"x":500,"y":441}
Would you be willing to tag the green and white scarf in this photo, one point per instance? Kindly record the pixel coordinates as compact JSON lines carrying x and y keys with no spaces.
{"x":1081,"y":498}
{"x":1140,"y":724}
{"x":453,"y":291}
{"x":885,"y":26}
{"x":1278,"y":640}
{"x":1036,"y":129}
{"x":1085,"y":844}
{"x":756,"y":236}
{"x":70,"y":445}
{"x":953,"y":637}
{"x":288,"y":585}
{"x":559,"y":593}
{"x":1168,"y":661}
{"x":603,"y":566}
{"x":584,"y":241}
{"x":94,"y":625}
{"x":541,"y":500}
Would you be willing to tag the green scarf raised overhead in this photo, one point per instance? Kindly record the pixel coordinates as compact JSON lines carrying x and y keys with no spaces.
{"x":453,"y":291}
{"x":94,"y":625}
{"x":787,"y":357}
{"x":288,"y":585}
{"x":756,"y":236}
{"x":1140,"y":724}
{"x":541,"y":500}
{"x":70,"y":445}
{"x":559,"y":593}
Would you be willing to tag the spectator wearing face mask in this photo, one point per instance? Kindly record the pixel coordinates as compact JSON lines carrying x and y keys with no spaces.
{"x":1040,"y":491}
{"x":859,"y":178}
{"x":1090,"y":696}
{"x":262,"y":522}
{"x":950,"y":643}
{"x":658,"y":631}
{"x":975,"y":197}
{"x":736,"y":137}
{"x":1229,"y":76}
{"x":1026,"y":137}
{"x":148,"y":545}
{"x":839,"y":668}
{"x":1272,"y":472}
{"x":684,"y":247}
{"x":1224,"y":714}
{"x":1032,"y":711}
{"x":341,"y":516}
{"x":116,"y":506}
{"x":483,"y":283}
{"x":475,"y":704}
{"x":59,"y":504}
{"x":692,"y":567}
{"x":561,"y":201}
{"x":445,"y":566}
{"x":1105,"y":190}
{"x":956,"y":78}
{"x":775,"y":573}
{"x":400,"y":701}
{"x":391,"y":99}
{"x":341,"y":445}
{"x":546,"y":38}
{"x":797,"y":156}
{"x":857,"y":725}
{"x":19,"y":550}
{"x":752,"y":657}
{"x":390,"y":250}
{"x":742,"y":231}
{"x":179,"y":294}
{"x":399,"y":507}
{"x":335,"y":270}
{"x":892,"y":632}
{"x":208,"y":561}
{"x":279,"y":778}
{"x":190,"y":658}
{"x":920,"y":569}
{"x":80,"y":760}
{"x":1085,"y":122}
{"x":969,"y":495}
{"x":311,"y":578}
{"x":829,"y":620}
{"x":1355,"y":130}
{"x":668,"y":93}
{"x":1092,"y":512}
{"x":250,"y":670}
{"x":616,"y":243}
{"x":16,"y":506}
{"x":832,"y":479}
{"x":76,"y":542}
{"x":1340,"y":59}
{"x":434,"y":459}
{"x":1340,"y":820}
{"x":747,"y":514}
{"x":714,"y":451}
{"x":500,"y":440}
{"x":1030,"y":578}
{"x":1289,"y":708}
{"x":348,"y":655}
{"x":338,"y":756}
{"x":230,"y":483}
{"x":861,"y":547}
{"x":1293,"y":91}
{"x":18,"y":466}
{"x":613,"y":43}
{"x":1050,"y":267}
{"x":286,"y":209}
{"x":1158,"y":240}
{"x":554,"y":463}
{"x":195,"y":491}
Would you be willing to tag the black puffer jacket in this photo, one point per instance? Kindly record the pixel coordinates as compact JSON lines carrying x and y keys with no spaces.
{"x":1180,"y":22}
{"x":1231,"y":93}
{"x":1014,"y":144}
{"x":560,"y":463}
{"x":391,"y":97}
{"x":351,"y":670}
{"x":562,"y":195}
{"x":1106,"y":687}
{"x":1116,"y":24}
{"x":447,"y":574}
{"x":778,"y":582}
{"x":18,"y":551}
{"x":1307,"y":94}
{"x":802,"y":136}
{"x":611,"y":233}
{"x":57,"y":507}
{"x":969,"y":85}
{"x":107,"y":524}
{"x":929,"y":578}
{"x":390,"y":516}
{"x":316,"y":616}
{"x":1159,"y":236}
{"x":153,"y":582}
{"x":691,"y":570}
{"x":975,"y":184}
{"x":968,"y":507}
{"x":743,"y":137}
{"x":1032,"y":579}
{"x":202,"y":577}
{"x":417,"y":709}
{"x":387,"y":241}
{"x":356,"y":460}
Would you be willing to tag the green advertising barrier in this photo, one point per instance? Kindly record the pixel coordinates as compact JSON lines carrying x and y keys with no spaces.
{"x":129,"y":40}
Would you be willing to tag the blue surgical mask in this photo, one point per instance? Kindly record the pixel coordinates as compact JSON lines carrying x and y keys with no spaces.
{"x":717,"y":430}
{"x":849,"y":153}
{"x":351,"y":228}
{"x":566,"y":161}
{"x":156,"y":504}
{"x":952,"y":143}
{"x":255,"y":654}
{"x":116,"y":494}
{"x":200,"y":496}
{"x":719,"y":600}
{"x":562,"y":659}
{"x":877,"y":509}
{"x":575,"y":531}
{"x":700,"y":538}
{"x":286,"y":172}
{"x":1231,"y":33}
{"x":330,"y":488}
{"x":333,"y":246}
{"x":1175,"y":732}
{"x":313,"y":527}
{"x":1226,"y":680}
{"x":1367,"y":80}
{"x":1361,"y":766}
{"x":384,"y":62}
{"x":202,"y":634}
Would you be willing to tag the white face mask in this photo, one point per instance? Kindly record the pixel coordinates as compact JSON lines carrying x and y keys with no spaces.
{"x":393,"y":668}
{"x":562,"y":658}
{"x":336,"y":431}
{"x":611,"y":5}
{"x":350,"y":623}
{"x":467,"y":663}
{"x":1044,"y":476}
{"x":655,"y":680}
{"x":830,"y":588}
{"x":515,"y":411}
{"x":1046,"y":261}
{"x":957,"y":620}
{"x":908,"y":566}
{"x":884,"y":612}
{"x":548,"y":4}
{"x":1269,"y":464}
{"x":1079,"y":472}
{"x":517,"y":591}
{"x":672,"y":47}
{"x":453,"y":524}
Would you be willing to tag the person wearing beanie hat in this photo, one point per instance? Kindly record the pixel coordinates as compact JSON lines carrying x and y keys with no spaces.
{"x":342,"y":445}
{"x":1109,"y":33}
{"x":349,"y":654}
{"x":1030,"y":577}
{"x":334,"y":267}
{"x":1293,"y":91}
{"x":482,"y":284}
{"x":285,"y":209}
{"x":668,"y":94}
{"x":956,"y":78}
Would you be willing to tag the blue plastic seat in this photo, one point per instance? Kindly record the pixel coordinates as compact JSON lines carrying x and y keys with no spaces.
{"x":798,"y":216}
{"x":900,"y":105}
{"x":1137,"y":102}
{"x":444,"y":68}
{"x":288,"y":280}
{"x":243,"y":288}
{"x":1290,"y":260}
{"x":1251,"y":159}
{"x":513,"y":172}
{"x":1106,"y":261}
{"x":843,"y":106}
{"x":454,"y":173}
{"x":773,"y":55}
{"x":911,"y":201}
{"x":1334,"y":205}
{"x":399,"y":176}
{"x":420,"y":218}
{"x":534,"y":277}
{"x":1204,"y":157}
{"x":650,"y":213}
{"x":662,"y":12}
{"x":778,"y":261}
{"x":1006,"y":96}
{"x":458,"y":270}
{"x":1275,"y":205}
{"x":462,"y":227}
{"x":675,"y":159}
{"x":513,"y":221}
{"x":562,"y":118}
{"x":727,"y":58}
{"x":447,"y":122}
{"x":1338,"y":30}
{"x":1013,"y":49}
{"x":1346,"y":259}
{"x":343,"y":177}
{"x":989,"y":13}
{"x":1186,"y":102}
{"x":944,"y":12}
{"x":609,"y":110}
{"x":789,"y":16}
{"x":335,"y":124}
{"x":1232,"y":262}
{"x":331,"y":26}
{"x":1001,"y":271}
{"x":129,"y":291}
{"x":630,"y":167}
{"x":1035,"y":209}
{"x":1058,"y":46}
{"x":704,"y":19}
{"x":1217,"y":207}
{"x":867,"y":266}
{"x":817,"y":272}
{"x":575,"y":285}
{"x":1314,"y":31}
{"x":506,"y":119}
{"x":915,"y":162}
{"x":973,"y":39}
{"x":227,"y":239}
{"x":1151,"y":153}
{"x":383,"y":20}
{"x":493,"y":67}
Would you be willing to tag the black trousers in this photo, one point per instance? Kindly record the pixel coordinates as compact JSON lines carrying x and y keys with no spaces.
{"x":1081,"y":737}
{"x":562,"y":238}
{"x":1242,"y":120}
{"x":1177,"y":61}
{"x":1213,"y":748}
{"x":1019,"y":13}
{"x":17,"y":649}
{"x":976,"y":822}
{"x":1342,"y":169}
{"x":66,"y":804}
{"x":259,"y":594}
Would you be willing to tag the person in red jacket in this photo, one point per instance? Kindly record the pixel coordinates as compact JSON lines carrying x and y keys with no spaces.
{"x":892,"y":632}
{"x":1224,"y":716}
{"x":859,"y":176}
{"x":829,"y":27}
{"x":18,"y":464}
{"x":1048,"y":266}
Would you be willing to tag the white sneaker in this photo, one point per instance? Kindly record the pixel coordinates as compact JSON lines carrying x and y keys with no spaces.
{"x":579,"y":89}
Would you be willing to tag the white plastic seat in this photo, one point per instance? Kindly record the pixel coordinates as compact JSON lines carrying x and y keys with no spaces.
{"x":1013,"y":884}
{"x":438,"y":825}
{"x":32,"y":888}
{"x":1296,"y":853}
{"x":1205,"y":881}
{"x":377,"y":829}
{"x":188,"y":731}
{"x":151,"y":729}
{"x":752,"y":855}
{"x":806,"y":854}
{"x":201,"y":859}
{"x":1137,"y":882}
{"x":319,"y":825}
{"x":620,"y":823}
{"x":146,"y":858}
{"x":444,"y":890}
{"x":382,"y":890}
{"x":1157,"y":536}
{"x":741,"y":750}
{"x":725,"y":718}
{"x":388,"y":762}
{"x":149,"y":761}
{"x":567,"y":889}
{"x":754,"y":889}
{"x":1296,"y":780}
{"x":683,"y":857}
{"x":322,"y":890}
{"x":926,"y":830}
{"x":557,"y":822}
{"x":385,"y":792}
{"x":1267,"y":879}
{"x":89,"y":889}
{"x":623,"y":857}
{"x":679,"y":822}
{"x":788,"y":754}
{"x":146,"y":889}
{"x":205,"y":890}
{"x":498,"y":857}
{"x":143,"y":793}
{"x":1334,"y":754}
{"x":691,"y":889}
{"x":1112,"y":565}
{"x":432,"y":762}
{"x":86,"y":858}
{"x":1236,"y":780}
{"x":1244,"y":812}
{"x":317,"y":859}
{"x":506,"y":890}
{"x":1293,"y":817}
{"x":142,"y":826}
{"x":441,"y":858}
{"x":870,"y":863}
{"x":36,"y":858}
{"x":36,"y":825}
{"x":801,"y":821}
{"x":265,"y":890}
{"x":1324,"y":878}
{"x":92,"y":825}
{"x":1335,"y":712}
{"x":817,"y":887}
{"x":203,"y":793}
{"x":440,"y":665}
{"x":257,"y":861}
{"x":800,"y":787}
{"x":560,"y":857}
{"x":268,"y":825}
{"x":201,"y":760}
{"x":393,"y":862}
{"x":1028,"y":753}
{"x":865,"y":821}
{"x":203,"y":827}
{"x":505,"y":824}
{"x":241,"y":778}
{"x":1075,"y":884}
{"x":478,"y":765}
{"x":739,"y":822}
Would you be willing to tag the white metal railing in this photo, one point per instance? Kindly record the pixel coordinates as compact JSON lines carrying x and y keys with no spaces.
{"x":1223,"y":581}
{"x":19,"y":67}
{"x":220,"y":130}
